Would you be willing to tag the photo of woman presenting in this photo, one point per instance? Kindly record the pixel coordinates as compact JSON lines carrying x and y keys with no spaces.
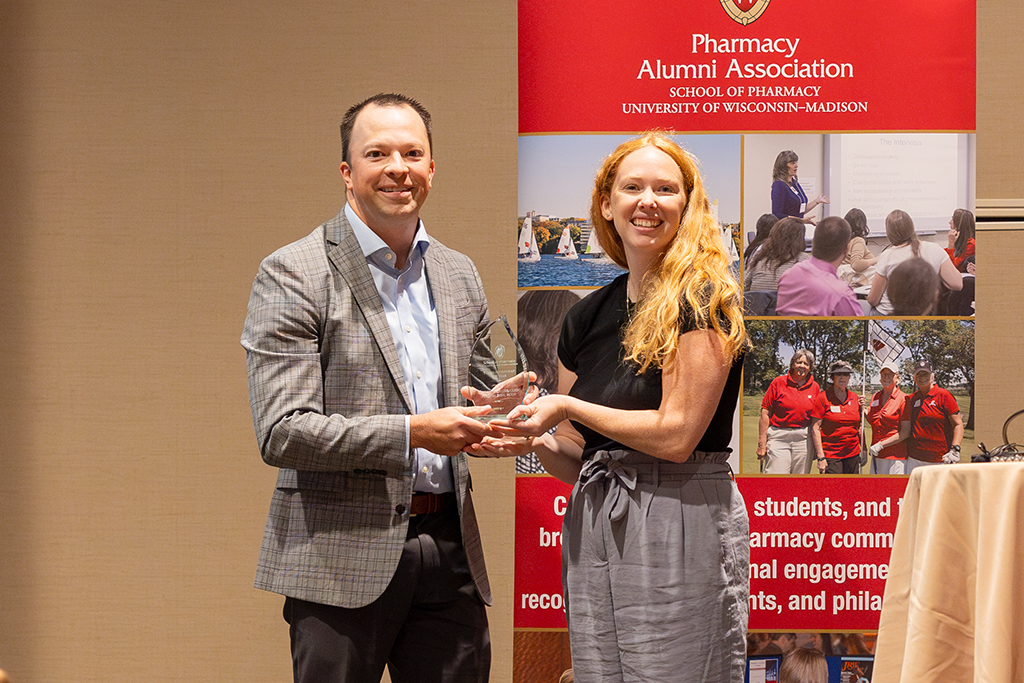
{"x":788,"y":198}
{"x":655,"y":538}
{"x":783,"y":436}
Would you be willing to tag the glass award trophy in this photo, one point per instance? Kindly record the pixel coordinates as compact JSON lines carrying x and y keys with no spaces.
{"x":497,"y":368}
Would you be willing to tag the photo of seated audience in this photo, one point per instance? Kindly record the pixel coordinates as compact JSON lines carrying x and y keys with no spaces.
{"x":826,"y":181}
{"x":761,"y":232}
{"x":858,"y":266}
{"x":904,"y":245}
{"x":812,"y":287}
{"x":783,"y":249}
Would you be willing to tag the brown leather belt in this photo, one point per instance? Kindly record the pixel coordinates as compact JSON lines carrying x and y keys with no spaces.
{"x":425,"y":503}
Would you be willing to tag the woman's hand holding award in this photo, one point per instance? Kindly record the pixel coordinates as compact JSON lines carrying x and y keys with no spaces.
{"x":499,"y":378}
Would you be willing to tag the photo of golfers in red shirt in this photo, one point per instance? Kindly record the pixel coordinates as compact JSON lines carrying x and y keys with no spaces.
{"x":836,"y":426}
{"x":871,"y":397}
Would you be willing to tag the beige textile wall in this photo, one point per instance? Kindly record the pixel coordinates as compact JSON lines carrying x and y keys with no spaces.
{"x":152,"y":154}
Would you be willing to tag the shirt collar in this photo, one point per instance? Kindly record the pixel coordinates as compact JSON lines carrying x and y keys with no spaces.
{"x":823,"y":266}
{"x":930,"y":391}
{"x":376,"y":250}
{"x":792,"y":382}
{"x":896,"y":393}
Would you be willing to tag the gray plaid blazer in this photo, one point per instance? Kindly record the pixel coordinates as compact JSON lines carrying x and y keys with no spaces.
{"x":329,"y":405}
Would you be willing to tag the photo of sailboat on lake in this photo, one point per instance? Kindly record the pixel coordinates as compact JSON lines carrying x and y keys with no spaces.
{"x":593,"y":253}
{"x":564,"y":267}
{"x":555,"y":191}
{"x":566,"y":247}
{"x":528,"y":251}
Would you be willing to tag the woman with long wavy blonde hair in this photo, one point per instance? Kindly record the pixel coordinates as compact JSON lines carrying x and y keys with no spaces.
{"x":655,"y":555}
{"x":695,"y":264}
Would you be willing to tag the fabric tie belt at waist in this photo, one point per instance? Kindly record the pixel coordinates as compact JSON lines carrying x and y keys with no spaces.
{"x":621,"y":468}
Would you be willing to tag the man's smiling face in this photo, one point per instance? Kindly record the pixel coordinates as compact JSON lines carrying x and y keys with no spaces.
{"x":389,"y":175}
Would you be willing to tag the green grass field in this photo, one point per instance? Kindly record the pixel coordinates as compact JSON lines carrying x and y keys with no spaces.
{"x":748,"y":434}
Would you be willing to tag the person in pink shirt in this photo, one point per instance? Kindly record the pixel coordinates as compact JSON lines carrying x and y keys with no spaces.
{"x":812,"y":287}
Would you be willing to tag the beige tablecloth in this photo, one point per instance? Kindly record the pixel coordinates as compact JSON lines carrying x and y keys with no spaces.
{"x":953,"y":609}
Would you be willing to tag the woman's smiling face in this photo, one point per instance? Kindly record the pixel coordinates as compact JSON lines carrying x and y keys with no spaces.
{"x":646,"y":203}
{"x":800,"y":368}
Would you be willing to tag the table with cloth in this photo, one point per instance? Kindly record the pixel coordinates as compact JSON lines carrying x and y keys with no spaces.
{"x":954,"y":601}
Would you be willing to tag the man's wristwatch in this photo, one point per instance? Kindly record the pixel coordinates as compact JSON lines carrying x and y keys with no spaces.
{"x":955,"y":448}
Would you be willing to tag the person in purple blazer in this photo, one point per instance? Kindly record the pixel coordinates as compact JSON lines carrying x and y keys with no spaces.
{"x":788,"y":198}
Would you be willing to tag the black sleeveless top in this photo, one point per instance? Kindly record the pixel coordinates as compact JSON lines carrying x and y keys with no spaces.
{"x":591,"y":347}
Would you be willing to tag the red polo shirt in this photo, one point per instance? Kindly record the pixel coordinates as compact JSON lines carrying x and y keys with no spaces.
{"x":927,"y":440}
{"x":884,"y":419}
{"x":840,"y":424}
{"x":788,"y":403}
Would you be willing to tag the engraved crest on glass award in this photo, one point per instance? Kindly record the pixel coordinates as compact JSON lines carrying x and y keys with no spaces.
{"x":497,"y":368}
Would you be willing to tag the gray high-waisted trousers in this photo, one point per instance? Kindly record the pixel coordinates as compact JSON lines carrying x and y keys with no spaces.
{"x":655,"y":564}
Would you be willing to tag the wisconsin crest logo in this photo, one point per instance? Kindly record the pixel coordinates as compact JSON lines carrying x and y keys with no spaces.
{"x":744,"y":11}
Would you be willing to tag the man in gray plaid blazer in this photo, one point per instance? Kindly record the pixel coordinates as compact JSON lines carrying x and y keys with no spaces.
{"x":358,"y":338}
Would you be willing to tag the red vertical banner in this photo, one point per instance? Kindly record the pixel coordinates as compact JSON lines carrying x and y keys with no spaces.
{"x":878,"y":101}
{"x":540,"y":506}
{"x":819,"y":550}
{"x":703,"y":66}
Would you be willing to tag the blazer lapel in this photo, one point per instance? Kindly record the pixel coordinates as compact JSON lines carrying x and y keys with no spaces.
{"x":445,"y":303}
{"x":345,"y":254}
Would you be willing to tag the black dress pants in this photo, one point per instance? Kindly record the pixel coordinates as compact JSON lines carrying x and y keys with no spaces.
{"x":428,"y":625}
